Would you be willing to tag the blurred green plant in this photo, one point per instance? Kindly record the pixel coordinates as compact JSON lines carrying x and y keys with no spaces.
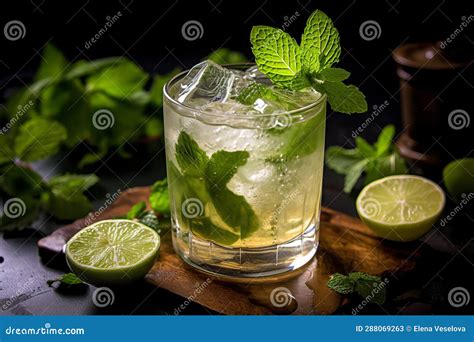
{"x":226,"y":56}
{"x":103,"y":102}
{"x":375,"y":161}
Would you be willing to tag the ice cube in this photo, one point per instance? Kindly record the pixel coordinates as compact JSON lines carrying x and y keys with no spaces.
{"x":207,"y":82}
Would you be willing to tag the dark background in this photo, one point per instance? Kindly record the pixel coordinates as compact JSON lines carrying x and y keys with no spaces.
{"x":150,"y":34}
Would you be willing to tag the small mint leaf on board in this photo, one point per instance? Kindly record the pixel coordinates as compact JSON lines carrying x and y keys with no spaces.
{"x":368,"y":287}
{"x":319,"y":43}
{"x":277,"y":55}
{"x":68,"y":282}
{"x":341,"y":284}
{"x":343,"y":98}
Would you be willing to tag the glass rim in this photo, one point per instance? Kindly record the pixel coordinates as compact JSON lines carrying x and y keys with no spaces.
{"x":237,"y":116}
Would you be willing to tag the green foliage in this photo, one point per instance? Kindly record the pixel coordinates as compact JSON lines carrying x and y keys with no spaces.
{"x":294,"y":66}
{"x":376,"y":161}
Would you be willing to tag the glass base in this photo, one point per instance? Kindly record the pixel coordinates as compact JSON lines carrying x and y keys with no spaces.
{"x":231,"y":262}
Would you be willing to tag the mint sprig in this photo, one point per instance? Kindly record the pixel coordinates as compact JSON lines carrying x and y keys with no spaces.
{"x":376,"y":161}
{"x":293,"y":66}
{"x":370,"y":288}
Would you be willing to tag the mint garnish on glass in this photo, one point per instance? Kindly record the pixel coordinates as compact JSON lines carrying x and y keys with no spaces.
{"x":292,"y":66}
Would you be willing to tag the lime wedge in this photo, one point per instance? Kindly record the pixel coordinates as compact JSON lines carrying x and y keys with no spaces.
{"x":112,"y":252}
{"x":400,"y":208}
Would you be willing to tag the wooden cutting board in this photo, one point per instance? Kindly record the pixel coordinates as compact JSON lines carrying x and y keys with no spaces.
{"x":346,"y":245}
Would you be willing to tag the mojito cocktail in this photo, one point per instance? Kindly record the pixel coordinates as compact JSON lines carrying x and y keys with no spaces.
{"x":245,"y":168}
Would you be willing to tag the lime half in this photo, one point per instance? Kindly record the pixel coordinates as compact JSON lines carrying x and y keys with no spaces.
{"x":112,"y":252}
{"x":400,"y":208}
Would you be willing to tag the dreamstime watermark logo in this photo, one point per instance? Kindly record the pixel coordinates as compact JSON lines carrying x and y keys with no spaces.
{"x":281,"y":297}
{"x":377,"y":109}
{"x":21,"y":110}
{"x":192,"y":208}
{"x":14,"y":30}
{"x":103,"y":119}
{"x":465,"y":22}
{"x":47,"y":329}
{"x":192,"y":30}
{"x":109,"y":199}
{"x":464,"y":201}
{"x":102,"y":297}
{"x":288,"y":20}
{"x":20,"y":292}
{"x":14,"y":208}
{"x":197,"y":291}
{"x":110,"y":21}
{"x":459,"y":119}
{"x":371,"y":207}
{"x":370,"y":30}
{"x":376,"y":288}
{"x":459,"y":296}
{"x":281,"y":121}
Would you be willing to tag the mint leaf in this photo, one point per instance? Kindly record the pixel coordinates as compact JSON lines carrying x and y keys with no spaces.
{"x":333,"y":74}
{"x":7,"y":154}
{"x":302,"y":138}
{"x":353,"y":174}
{"x":377,"y":161}
{"x":386,"y":165}
{"x":74,"y":181}
{"x":341,"y":284}
{"x":19,"y":180}
{"x":343,"y":98}
{"x":364,"y":147}
{"x":222,"y":167}
{"x":319,"y":43}
{"x":191,"y":158}
{"x":278,"y":56}
{"x":83,"y":68}
{"x":32,"y":207}
{"x":205,"y":179}
{"x":66,"y":200}
{"x":370,"y":288}
{"x":384,"y":140}
{"x":159,"y":197}
{"x":136,"y":210}
{"x":233,"y":209}
{"x":341,"y":160}
{"x":39,"y":138}
{"x":68,"y":282}
{"x":53,"y":63}
{"x":120,"y":80}
{"x":58,"y":96}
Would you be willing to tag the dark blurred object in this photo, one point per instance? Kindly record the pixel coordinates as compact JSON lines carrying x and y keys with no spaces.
{"x":435,"y":101}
